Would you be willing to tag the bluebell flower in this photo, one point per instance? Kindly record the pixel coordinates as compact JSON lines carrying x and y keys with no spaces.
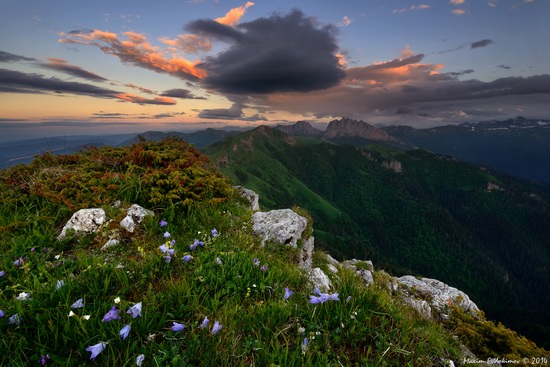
{"x":139,"y":359}
{"x":217,"y":327}
{"x":78,"y":304}
{"x":14,"y":319}
{"x":1,"y":313}
{"x":173,"y":242}
{"x":163,"y":223}
{"x":195,"y":244}
{"x":177,"y":326}
{"x":305,"y":345}
{"x":256,"y":262}
{"x":125,"y":331}
{"x":315,"y":300}
{"x":166,"y":234}
{"x":204,"y":323}
{"x":96,"y":349}
{"x":111,"y":315}
{"x":163,"y":248}
{"x":2,"y":272}
{"x":18,"y":262}
{"x":214,"y":233}
{"x":168,"y":258}
{"x":219,"y":261}
{"x":171,"y":252}
{"x":288,"y":293}
{"x":263,"y":268}
{"x":135,"y":310}
{"x":187,"y":258}
{"x":59,"y":284}
{"x":333,"y":297}
{"x":44,"y":359}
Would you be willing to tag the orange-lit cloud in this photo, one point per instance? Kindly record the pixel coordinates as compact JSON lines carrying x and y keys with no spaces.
{"x":458,"y":11}
{"x":133,"y":98}
{"x":188,"y":43}
{"x":456,"y":2}
{"x":136,"y":50}
{"x":234,"y":15}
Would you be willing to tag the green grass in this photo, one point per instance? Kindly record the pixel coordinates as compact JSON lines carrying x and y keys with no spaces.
{"x":366,"y":327}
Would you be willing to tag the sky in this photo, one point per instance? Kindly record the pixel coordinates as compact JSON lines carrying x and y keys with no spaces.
{"x":103,"y":67}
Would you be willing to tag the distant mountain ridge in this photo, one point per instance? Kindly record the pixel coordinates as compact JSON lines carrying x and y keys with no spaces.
{"x":518,"y":146}
{"x":346,"y":128}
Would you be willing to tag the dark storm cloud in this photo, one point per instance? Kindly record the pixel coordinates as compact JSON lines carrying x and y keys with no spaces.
{"x":8,"y":57}
{"x":277,"y":54}
{"x":455,"y":74}
{"x":64,"y":67}
{"x":180,"y":93}
{"x":482,"y":43}
{"x":106,"y":115}
{"x":504,"y":67}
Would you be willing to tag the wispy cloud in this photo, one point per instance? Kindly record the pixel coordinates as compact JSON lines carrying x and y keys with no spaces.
{"x":64,"y":67}
{"x":180,"y":93}
{"x":141,"y":89}
{"x":9,"y":57}
{"x":458,"y":11}
{"x":482,"y":43}
{"x":456,"y":2}
{"x":412,"y":7}
{"x":346,"y":21}
{"x":12,"y":81}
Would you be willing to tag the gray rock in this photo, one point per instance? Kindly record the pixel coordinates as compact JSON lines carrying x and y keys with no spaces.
{"x":353,"y":264}
{"x":319,"y":279}
{"x":84,"y":221}
{"x":307,"y":253}
{"x":332,"y":268}
{"x":438,"y":294}
{"x":134,"y":216}
{"x":249,"y":195}
{"x":282,"y":226}
{"x":421,"y":306}
{"x":111,"y":243}
{"x":366,"y":275}
{"x":332,"y":260}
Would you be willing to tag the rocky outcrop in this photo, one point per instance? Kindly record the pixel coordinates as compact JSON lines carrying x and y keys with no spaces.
{"x":249,"y":195}
{"x":319,"y":280}
{"x":301,"y":128}
{"x":393,"y":164}
{"x":437,"y":294}
{"x":282,"y":226}
{"x":346,"y":127}
{"x":84,"y":221}
{"x":306,"y":257}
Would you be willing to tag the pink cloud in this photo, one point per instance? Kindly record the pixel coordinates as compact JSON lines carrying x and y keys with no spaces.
{"x":234,"y":15}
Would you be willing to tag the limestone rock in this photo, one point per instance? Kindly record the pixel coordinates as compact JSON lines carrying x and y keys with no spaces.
{"x":249,"y":195}
{"x":111,"y":243}
{"x":393,"y":165}
{"x":307,"y":253}
{"x":134,"y":216}
{"x":366,"y":275}
{"x":332,"y":268}
{"x":319,"y":279}
{"x":438,"y":294}
{"x":84,"y":221}
{"x":283,"y":226}
{"x":421,"y":306}
{"x":332,"y":260}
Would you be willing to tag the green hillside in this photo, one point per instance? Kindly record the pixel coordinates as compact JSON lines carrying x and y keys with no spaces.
{"x":439,"y":217}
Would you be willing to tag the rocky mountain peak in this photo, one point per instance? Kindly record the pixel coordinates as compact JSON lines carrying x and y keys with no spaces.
{"x":346,"y":127}
{"x":300,"y":128}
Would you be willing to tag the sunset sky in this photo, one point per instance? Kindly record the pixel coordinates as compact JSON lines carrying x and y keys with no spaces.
{"x":104,"y":66}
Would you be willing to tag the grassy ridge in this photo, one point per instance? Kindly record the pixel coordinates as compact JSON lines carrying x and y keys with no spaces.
{"x":43,"y":277}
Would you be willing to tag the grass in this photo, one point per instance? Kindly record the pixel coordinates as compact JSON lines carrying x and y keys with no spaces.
{"x":366,"y":327}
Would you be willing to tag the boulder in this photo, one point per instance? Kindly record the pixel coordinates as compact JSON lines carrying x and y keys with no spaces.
{"x":134,"y":216}
{"x":319,"y":279}
{"x":438,"y":294}
{"x":283,"y":226}
{"x":84,"y":221}
{"x":111,"y":243}
{"x":249,"y":195}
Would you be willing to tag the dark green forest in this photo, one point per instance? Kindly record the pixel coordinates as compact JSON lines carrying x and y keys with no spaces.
{"x":476,"y":230}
